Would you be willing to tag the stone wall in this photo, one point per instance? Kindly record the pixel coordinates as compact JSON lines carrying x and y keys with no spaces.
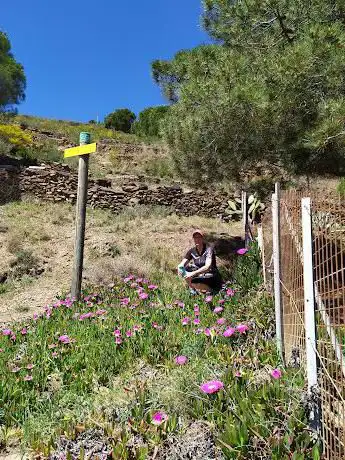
{"x":58,"y":183}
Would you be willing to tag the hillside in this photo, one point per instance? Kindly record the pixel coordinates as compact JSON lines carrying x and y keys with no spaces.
{"x":118,"y":155}
{"x":125,"y":158}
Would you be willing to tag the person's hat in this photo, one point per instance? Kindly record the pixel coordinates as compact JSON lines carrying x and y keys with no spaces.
{"x":197,"y":231}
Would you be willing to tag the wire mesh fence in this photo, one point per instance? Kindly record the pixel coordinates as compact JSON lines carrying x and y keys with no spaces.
{"x":328,"y":260}
{"x":328,"y":221}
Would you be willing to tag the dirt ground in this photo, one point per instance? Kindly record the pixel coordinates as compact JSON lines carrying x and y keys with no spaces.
{"x":145,"y":240}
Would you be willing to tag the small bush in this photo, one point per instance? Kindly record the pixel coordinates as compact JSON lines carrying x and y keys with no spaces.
{"x":24,"y":264}
{"x":160,"y":167}
{"x":247,"y":273}
{"x":341,"y":186}
{"x":43,"y":152}
{"x":15,"y":136}
{"x":120,"y":120}
{"x":5,"y":147}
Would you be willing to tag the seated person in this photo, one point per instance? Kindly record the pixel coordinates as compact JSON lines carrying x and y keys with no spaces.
{"x":199,"y":267}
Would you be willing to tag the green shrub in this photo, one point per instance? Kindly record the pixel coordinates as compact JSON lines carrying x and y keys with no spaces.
{"x":247,"y":273}
{"x":341,"y":186}
{"x":120,"y":120}
{"x":46,"y":151}
{"x":160,"y":167}
{"x":15,"y":136}
{"x":149,"y":121}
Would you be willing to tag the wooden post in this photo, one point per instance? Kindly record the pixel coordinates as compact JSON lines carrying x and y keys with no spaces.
{"x":309,"y":309}
{"x":80,"y":219}
{"x":277,"y":270}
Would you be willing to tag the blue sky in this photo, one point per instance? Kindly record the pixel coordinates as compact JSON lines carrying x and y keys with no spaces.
{"x":86,"y":58}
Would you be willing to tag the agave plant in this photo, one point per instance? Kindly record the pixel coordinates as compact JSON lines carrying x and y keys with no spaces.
{"x":255,"y":210}
{"x":234,"y":209}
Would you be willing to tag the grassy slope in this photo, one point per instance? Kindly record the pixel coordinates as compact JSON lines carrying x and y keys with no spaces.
{"x":92,"y":381}
{"x":71,"y":129}
{"x":106,"y":163}
{"x":142,"y":239}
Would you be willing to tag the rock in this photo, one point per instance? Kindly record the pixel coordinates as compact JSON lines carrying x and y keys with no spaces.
{"x":55,"y":182}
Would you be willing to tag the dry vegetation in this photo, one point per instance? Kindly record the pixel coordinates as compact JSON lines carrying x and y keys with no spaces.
{"x":144,"y":240}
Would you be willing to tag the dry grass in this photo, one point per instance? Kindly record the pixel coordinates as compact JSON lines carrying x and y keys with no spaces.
{"x":144,"y":240}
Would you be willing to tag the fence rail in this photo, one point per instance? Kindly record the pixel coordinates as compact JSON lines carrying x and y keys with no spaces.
{"x":324,"y":273}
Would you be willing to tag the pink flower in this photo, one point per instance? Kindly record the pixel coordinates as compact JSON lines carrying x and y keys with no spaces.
{"x":117,"y":333}
{"x":30,"y":366}
{"x":54,"y":354}
{"x":185,"y":321}
{"x":136,"y":327}
{"x":129,"y":333}
{"x":198,"y":331}
{"x":221,"y":301}
{"x":129,"y":278}
{"x":196,"y":321}
{"x":218,"y":310}
{"x":207,"y":332}
{"x":208,"y":299}
{"x":7,"y":332}
{"x":242,"y":251}
{"x":229,"y":332}
{"x":238,"y":374}
{"x":28,"y":377}
{"x":242,"y":328}
{"x":16,"y":369}
{"x":13,"y":337}
{"x":24,"y":331}
{"x":152,"y":287}
{"x":139,"y":280}
{"x":159,"y":417}
{"x":125,"y":301}
{"x":64,"y":339}
{"x":143,"y":295}
{"x":212,"y":387}
{"x":101,"y":312}
{"x":276,"y":373}
{"x":118,"y":340}
{"x":86,"y":316}
{"x":196,"y":310}
{"x":133,"y":285}
{"x":230,"y":292}
{"x":179,"y":303}
{"x":1,"y":350}
{"x":181,"y":360}
{"x":221,"y":321}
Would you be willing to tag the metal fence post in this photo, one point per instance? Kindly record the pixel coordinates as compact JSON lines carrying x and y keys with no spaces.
{"x":309,"y":311}
{"x":277,"y":270}
{"x":262,"y":252}
{"x":245,"y":216}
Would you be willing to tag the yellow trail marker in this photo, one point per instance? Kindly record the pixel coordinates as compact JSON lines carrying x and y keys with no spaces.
{"x":81,"y":150}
